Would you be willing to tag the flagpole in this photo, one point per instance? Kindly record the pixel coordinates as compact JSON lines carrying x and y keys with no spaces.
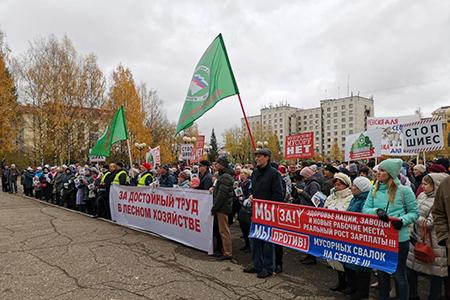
{"x":246,"y":122}
{"x":129,"y":153}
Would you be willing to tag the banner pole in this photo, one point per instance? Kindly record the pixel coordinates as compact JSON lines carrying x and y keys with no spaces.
{"x":129,"y":153}
{"x":246,"y":122}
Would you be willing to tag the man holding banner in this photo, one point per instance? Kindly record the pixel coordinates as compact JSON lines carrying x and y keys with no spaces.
{"x":267,"y":185}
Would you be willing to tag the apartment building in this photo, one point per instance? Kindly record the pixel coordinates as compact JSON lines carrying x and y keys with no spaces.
{"x":331,"y":122}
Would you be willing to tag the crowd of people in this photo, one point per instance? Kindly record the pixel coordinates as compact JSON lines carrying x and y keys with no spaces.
{"x":415,"y":194}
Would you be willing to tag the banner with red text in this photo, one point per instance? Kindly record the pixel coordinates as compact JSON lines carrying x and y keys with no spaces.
{"x":182,"y":215}
{"x":299,"y":145}
{"x":347,"y":237}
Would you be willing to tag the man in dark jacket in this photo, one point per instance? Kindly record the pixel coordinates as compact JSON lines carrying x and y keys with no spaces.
{"x":28,"y":182}
{"x":266,"y":185}
{"x":223,"y":204}
{"x":328,"y":184}
{"x":206,"y":178}
{"x":165,"y":178}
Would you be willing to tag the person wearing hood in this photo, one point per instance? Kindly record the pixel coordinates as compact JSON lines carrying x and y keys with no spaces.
{"x":184,"y":179}
{"x":312,"y":185}
{"x":58,"y":185}
{"x":437,"y":269}
{"x":340,"y":199}
{"x":389,"y":198}
{"x":419,"y":172}
{"x":223,"y":193}
{"x":358,"y":277}
{"x":28,"y":182}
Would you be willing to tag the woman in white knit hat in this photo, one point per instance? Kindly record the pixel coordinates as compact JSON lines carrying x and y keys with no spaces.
{"x":339,"y":200}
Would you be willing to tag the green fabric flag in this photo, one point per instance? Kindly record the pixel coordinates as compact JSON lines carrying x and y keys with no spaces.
{"x":116,"y":131}
{"x":213,"y":80}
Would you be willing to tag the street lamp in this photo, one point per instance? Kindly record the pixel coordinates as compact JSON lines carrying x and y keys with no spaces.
{"x":261,"y":144}
{"x":140,"y":147}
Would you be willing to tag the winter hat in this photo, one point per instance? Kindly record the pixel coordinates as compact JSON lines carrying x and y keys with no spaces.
{"x":362,"y":183}
{"x":437,"y":168}
{"x":353,"y":168}
{"x":420,"y":168}
{"x":222,"y":160}
{"x":147,"y":166}
{"x":282,"y":169}
{"x":392,"y":167}
{"x":443,"y":161}
{"x":375,"y":169}
{"x":306,"y":172}
{"x":314,"y":168}
{"x":331,"y":169}
{"x":344,"y":178}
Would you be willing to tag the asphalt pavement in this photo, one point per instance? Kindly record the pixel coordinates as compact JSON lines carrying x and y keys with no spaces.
{"x":47,"y":252}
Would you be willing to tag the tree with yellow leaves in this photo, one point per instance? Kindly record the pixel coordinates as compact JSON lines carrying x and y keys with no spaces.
{"x":8,"y":103}
{"x":123,"y":92}
{"x":336,"y":152}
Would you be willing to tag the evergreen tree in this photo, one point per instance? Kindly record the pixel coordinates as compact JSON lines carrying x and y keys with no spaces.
{"x":214,"y":151}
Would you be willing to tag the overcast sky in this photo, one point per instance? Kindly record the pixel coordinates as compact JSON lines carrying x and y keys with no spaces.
{"x":294,"y":51}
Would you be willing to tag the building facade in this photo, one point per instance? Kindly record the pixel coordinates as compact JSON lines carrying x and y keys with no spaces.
{"x":331,"y":122}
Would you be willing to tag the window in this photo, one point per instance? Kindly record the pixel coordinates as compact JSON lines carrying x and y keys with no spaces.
{"x":343,"y":113}
{"x":350,"y":125}
{"x":335,"y":127}
{"x":275,"y":120}
{"x":350,"y":119}
{"x":305,"y":123}
{"x":343,"y":126}
{"x":335,"y":108}
{"x":328,"y":121}
{"x":281,"y":130}
{"x":275,"y":115}
{"x":343,"y":119}
{"x":335,"y":115}
{"x":310,"y":127}
{"x":350,"y":111}
{"x":275,"y":126}
{"x":335,"y":133}
{"x":343,"y":106}
{"x":310,"y":116}
{"x":328,"y":140}
{"x":350,"y":106}
{"x":317,"y":115}
{"x":328,"y":127}
{"x":334,"y":120}
{"x":328,"y":115}
{"x":281,"y":120}
{"x":304,"y":117}
{"x":328,"y":109}
{"x":264,"y":116}
{"x":310,"y":121}
{"x":350,"y":131}
{"x":344,"y":132}
{"x":328,"y":133}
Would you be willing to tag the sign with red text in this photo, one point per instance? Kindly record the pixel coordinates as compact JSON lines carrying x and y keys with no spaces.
{"x":186,"y":152}
{"x":182,"y":215}
{"x":199,"y":148}
{"x":391,"y":136}
{"x":299,"y":145}
{"x":346,"y":237}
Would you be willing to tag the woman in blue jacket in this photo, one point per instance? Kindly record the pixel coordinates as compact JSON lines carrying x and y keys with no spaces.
{"x":388,"y":198}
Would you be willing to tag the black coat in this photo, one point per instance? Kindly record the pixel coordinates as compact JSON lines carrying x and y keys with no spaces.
{"x":267,"y":184}
{"x":223,"y":193}
{"x":206,"y":181}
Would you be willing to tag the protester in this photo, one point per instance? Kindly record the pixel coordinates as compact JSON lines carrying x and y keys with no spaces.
{"x":328,"y":184}
{"x":5,"y":178}
{"x":103,"y":191}
{"x":437,"y":269}
{"x":287,"y":183}
{"x":58,"y":185}
{"x":266,"y":185}
{"x":165,"y":178}
{"x":340,"y":199}
{"x":206,"y":180}
{"x":312,"y":181}
{"x":45,"y":184}
{"x":419,"y":172}
{"x":184,"y":179}
{"x":145,"y":178}
{"x":245,"y":213}
{"x":358,"y":277}
{"x":222,"y":204}
{"x":14,"y":173}
{"x":388,"y":198}
{"x":28,"y":182}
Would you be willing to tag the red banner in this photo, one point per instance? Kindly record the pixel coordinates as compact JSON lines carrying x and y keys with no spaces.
{"x":299,"y":145}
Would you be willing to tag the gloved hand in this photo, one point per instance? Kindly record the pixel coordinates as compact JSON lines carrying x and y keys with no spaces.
{"x":397,"y":224}
{"x":382,"y":215}
{"x":442,"y":242}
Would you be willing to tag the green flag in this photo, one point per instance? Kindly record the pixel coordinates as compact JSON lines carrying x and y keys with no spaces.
{"x":116,"y":131}
{"x":213,"y":80}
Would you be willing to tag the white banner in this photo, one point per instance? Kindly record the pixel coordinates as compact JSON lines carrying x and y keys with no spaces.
{"x":182,"y":215}
{"x":363,"y":145}
{"x":186,"y":151}
{"x":153,"y":156}
{"x":391,"y":137}
{"x":425,"y":135}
